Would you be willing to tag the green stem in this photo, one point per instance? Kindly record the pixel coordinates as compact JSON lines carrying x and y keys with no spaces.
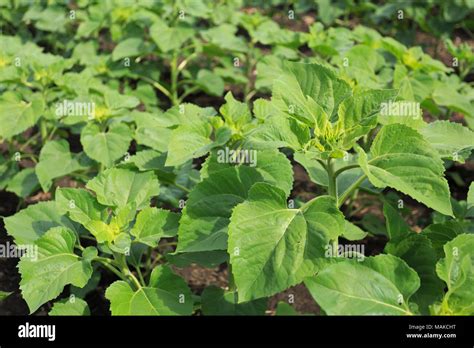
{"x":351,"y":189}
{"x":155,"y":262}
{"x":157,"y":85}
{"x":140,"y":276}
{"x":42,"y":122}
{"x":445,"y":310}
{"x":50,"y":136}
{"x":43,"y":130}
{"x":351,"y":203}
{"x":109,"y":267}
{"x":183,"y":64}
{"x":250,"y":65}
{"x":174,"y":79}
{"x":148,"y":260}
{"x":343,"y":169}
{"x":188,"y":92}
{"x":181,"y":187}
{"x":185,"y":81}
{"x":30,"y":156}
{"x":122,"y":261}
{"x":28,"y":142}
{"x":332,"y":184}
{"x":21,"y":201}
{"x":251,"y":95}
{"x":134,"y":280}
{"x":332,"y":191}
{"x":322,"y":163}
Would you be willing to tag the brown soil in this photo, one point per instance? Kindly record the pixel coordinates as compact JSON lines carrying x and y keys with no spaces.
{"x":434,"y":47}
{"x":199,"y":277}
{"x":303,"y":301}
{"x":300,"y":23}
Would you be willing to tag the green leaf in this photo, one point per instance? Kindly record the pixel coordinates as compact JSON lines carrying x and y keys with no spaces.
{"x":51,"y":18}
{"x":272,"y":247}
{"x":285,"y":309}
{"x":121,"y":243}
{"x":457,"y":270}
{"x":43,"y":277}
{"x":167,"y":38}
{"x":318,"y":174}
{"x":106,"y":146}
{"x":130,"y":47}
{"x":17,"y":115}
{"x":451,"y":140}
{"x":236,"y":114}
{"x":203,"y":226}
{"x":362,"y":63}
{"x":102,"y":231}
{"x":193,"y":141}
{"x":223,"y":36}
{"x":328,"y":12}
{"x":152,"y":131}
{"x":353,"y":232}
{"x":56,"y":160}
{"x":192,"y":136}
{"x":198,"y":9}
{"x":358,"y":114}
{"x":269,"y":68}
{"x":166,"y":294}
{"x":81,"y":205}
{"x":148,"y":160}
{"x":91,"y":285}
{"x":118,"y":187}
{"x":24,"y":183}
{"x":8,"y":169}
{"x":397,"y":228}
{"x":398,"y":112}
{"x":152,"y":224}
{"x":441,"y":233}
{"x":310,"y":93}
{"x":216,"y":301}
{"x":417,"y":251}
{"x":470,"y":196}
{"x":279,"y":131}
{"x":452,"y":99}
{"x":402,"y":159}
{"x":75,"y":307}
{"x":31,"y":223}
{"x":4,"y":295}
{"x":185,"y":114}
{"x":315,"y":170}
{"x":381,"y":285}
{"x":210,"y":83}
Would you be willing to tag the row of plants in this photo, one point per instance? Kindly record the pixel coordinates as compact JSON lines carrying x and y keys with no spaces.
{"x":100,"y":111}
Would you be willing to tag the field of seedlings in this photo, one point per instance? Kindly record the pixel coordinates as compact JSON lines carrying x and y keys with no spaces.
{"x":233,"y":157}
